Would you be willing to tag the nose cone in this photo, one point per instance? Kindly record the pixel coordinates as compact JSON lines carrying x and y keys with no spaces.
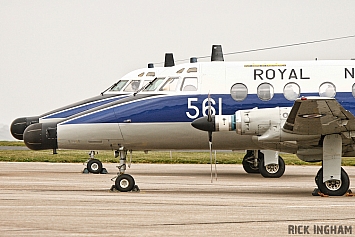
{"x":19,"y":125}
{"x":204,"y":125}
{"x":41,"y":136}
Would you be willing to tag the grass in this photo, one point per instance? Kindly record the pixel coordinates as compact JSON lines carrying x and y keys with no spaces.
{"x":11,"y":143}
{"x":74,"y":156}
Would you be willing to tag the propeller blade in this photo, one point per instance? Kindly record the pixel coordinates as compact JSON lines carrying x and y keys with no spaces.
{"x":210,"y":143}
{"x":209,"y":114}
{"x":215,"y":164}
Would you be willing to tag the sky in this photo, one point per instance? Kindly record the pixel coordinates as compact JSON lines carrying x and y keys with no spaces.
{"x":54,"y":53}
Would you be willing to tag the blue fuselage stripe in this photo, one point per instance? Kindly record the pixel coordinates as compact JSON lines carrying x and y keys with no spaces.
{"x":79,"y":109}
{"x":160,"y":109}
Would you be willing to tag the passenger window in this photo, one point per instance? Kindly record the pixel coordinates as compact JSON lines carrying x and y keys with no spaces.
{"x":192,"y":69}
{"x":353,"y":90}
{"x":265,"y":91}
{"x":133,"y":86}
{"x":292,"y":91}
{"x":327,"y":89}
{"x":170,"y":84}
{"x":189,"y":84}
{"x":239,"y":92}
{"x":119,"y":85}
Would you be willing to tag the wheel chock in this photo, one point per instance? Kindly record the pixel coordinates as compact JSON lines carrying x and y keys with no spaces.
{"x":104,"y":171}
{"x":317,"y":192}
{"x":85,"y":171}
{"x":322,"y":194}
{"x":136,"y":189}
{"x":349,"y":193}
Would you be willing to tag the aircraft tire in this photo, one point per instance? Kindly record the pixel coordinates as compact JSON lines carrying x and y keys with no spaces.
{"x":272,"y":171}
{"x":94,"y":166}
{"x":124,"y":183}
{"x":333,"y":188}
{"x":248,"y":163}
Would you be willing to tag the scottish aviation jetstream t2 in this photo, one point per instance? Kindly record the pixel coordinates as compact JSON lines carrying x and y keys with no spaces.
{"x":302,"y":107}
{"x":128,"y":84}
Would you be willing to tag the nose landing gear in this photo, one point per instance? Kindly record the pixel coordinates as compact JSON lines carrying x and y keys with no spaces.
{"x":123,"y":182}
{"x":94,"y":165}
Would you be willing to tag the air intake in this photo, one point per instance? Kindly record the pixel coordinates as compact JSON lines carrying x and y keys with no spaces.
{"x":217,"y":54}
{"x":169,"y":60}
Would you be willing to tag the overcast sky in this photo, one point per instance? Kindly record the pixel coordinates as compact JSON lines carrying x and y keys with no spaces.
{"x":53,"y":53}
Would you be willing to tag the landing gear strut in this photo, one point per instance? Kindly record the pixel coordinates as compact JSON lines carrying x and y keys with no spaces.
{"x":253,"y":163}
{"x":123,"y":182}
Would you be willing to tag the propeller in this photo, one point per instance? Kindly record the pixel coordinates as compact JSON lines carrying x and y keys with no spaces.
{"x":207,"y":123}
{"x":210,"y":120}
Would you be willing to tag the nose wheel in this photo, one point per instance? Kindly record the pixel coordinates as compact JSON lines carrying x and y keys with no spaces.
{"x":124,"y":183}
{"x":93,"y":165}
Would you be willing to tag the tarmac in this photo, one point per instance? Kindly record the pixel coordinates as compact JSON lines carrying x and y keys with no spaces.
{"x":55,"y":199}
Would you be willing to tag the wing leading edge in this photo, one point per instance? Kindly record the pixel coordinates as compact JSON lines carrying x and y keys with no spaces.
{"x":319,"y":116}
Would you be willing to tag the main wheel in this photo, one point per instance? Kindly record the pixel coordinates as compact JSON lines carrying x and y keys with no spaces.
{"x":272,"y":170}
{"x":94,"y":166}
{"x":333,"y":187}
{"x":249,"y":164}
{"x":124,"y":183}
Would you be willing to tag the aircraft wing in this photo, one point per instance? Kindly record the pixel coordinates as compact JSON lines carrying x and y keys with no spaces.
{"x":319,"y":116}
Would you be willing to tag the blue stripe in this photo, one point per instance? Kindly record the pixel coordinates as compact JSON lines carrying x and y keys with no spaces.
{"x":174,"y":108}
{"x":81,"y":108}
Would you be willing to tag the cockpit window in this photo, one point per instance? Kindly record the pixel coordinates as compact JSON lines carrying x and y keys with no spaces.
{"x":292,"y":91}
{"x":170,"y":84}
{"x":327,"y":89}
{"x":141,"y":74}
{"x":119,"y":85}
{"x":133,"y":86}
{"x":189,"y":84}
{"x":154,"y":84}
{"x":265,"y":91}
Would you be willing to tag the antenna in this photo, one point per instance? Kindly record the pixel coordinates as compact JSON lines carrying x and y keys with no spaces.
{"x":169,"y":60}
{"x":217,"y":54}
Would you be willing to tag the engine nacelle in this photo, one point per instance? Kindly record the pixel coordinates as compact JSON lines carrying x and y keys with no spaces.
{"x":258,"y":121}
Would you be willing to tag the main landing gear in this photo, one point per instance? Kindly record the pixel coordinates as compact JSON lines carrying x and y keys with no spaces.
{"x":254,"y":162}
{"x":332,"y":187}
{"x":94,"y":165}
{"x":332,"y":179}
{"x":123,"y":182}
